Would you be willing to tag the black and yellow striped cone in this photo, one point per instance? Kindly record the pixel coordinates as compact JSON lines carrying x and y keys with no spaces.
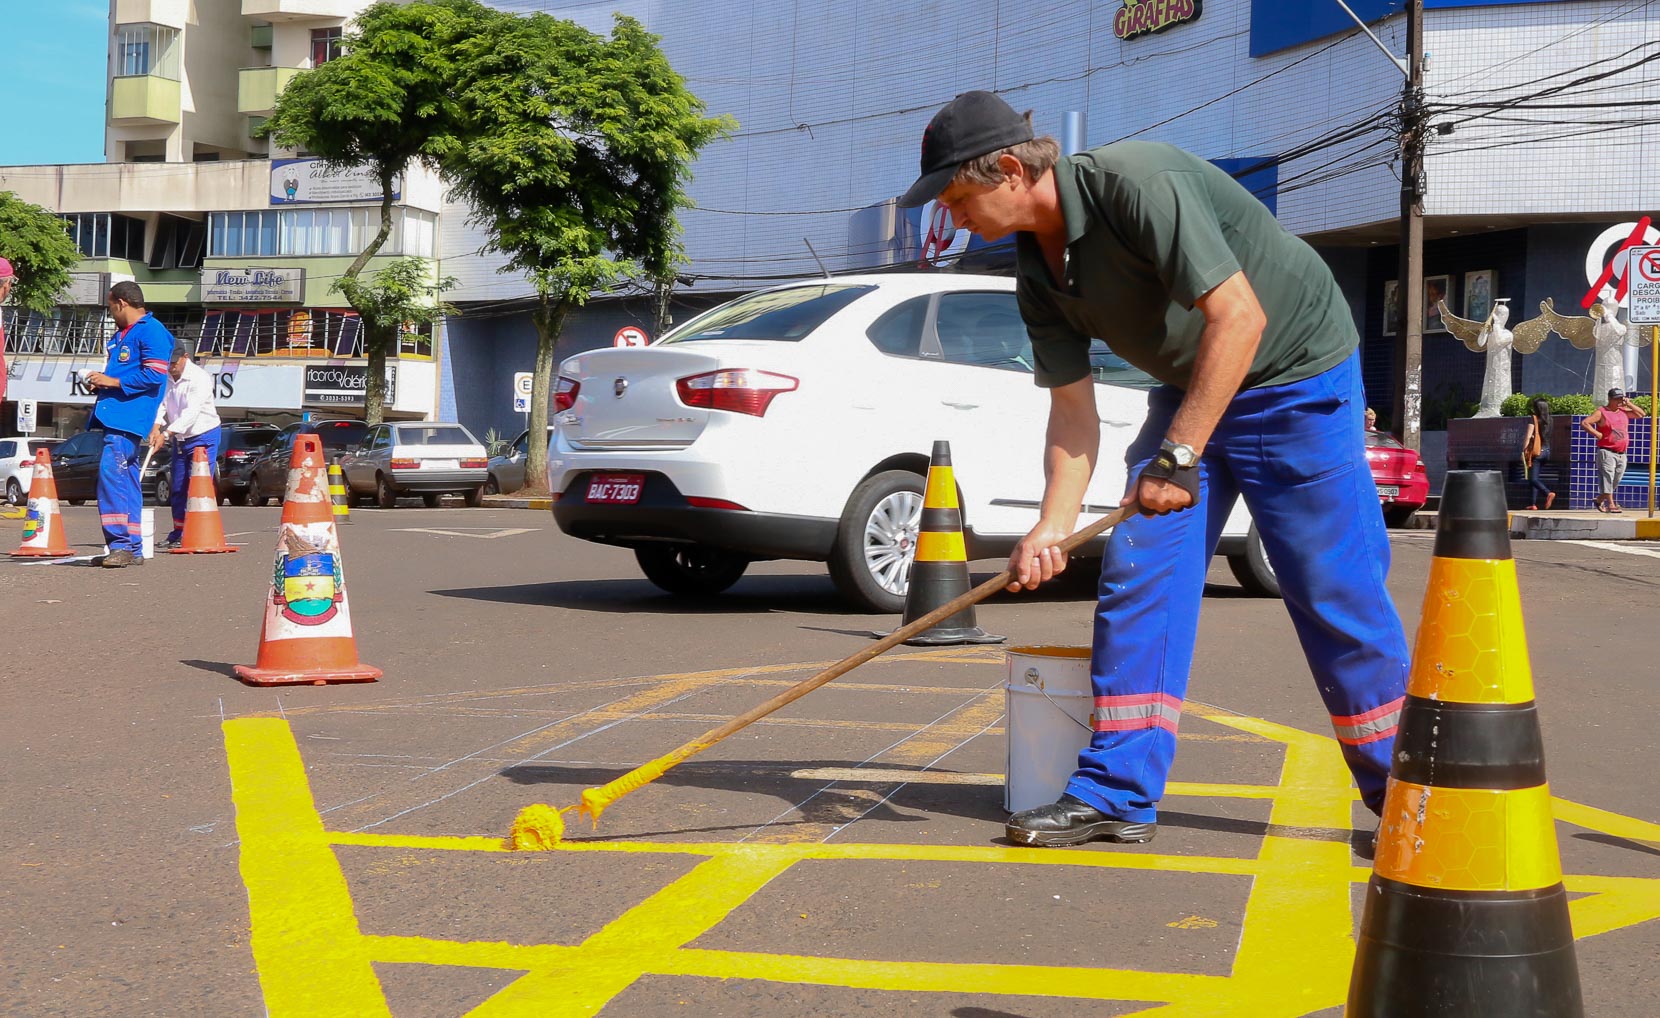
{"x":338,"y":495}
{"x":1466,"y":913}
{"x":939,"y":572}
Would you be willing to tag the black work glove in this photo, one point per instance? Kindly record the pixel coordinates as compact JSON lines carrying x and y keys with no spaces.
{"x":1163,"y":468}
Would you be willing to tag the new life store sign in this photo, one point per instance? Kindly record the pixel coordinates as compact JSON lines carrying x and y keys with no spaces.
{"x":253,"y":286}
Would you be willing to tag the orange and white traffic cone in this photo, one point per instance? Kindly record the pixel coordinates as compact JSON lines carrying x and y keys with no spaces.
{"x":203,"y":532}
{"x":43,"y":533}
{"x":307,"y":635}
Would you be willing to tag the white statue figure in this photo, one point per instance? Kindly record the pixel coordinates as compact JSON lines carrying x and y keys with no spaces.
{"x":1602,"y":331}
{"x":1496,"y":341}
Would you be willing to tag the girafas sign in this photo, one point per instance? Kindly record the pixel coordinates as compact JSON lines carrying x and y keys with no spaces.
{"x":1144,"y":17}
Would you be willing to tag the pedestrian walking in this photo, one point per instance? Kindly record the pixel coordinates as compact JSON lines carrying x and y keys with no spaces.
{"x":188,"y":421}
{"x":1535,"y":451}
{"x":130,"y":389}
{"x":1611,"y":423}
{"x":1187,"y":276}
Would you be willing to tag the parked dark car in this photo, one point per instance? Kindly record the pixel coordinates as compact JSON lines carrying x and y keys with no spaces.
{"x":240,"y":443}
{"x":268,"y":476}
{"x":75,"y":468}
{"x":507,"y":471}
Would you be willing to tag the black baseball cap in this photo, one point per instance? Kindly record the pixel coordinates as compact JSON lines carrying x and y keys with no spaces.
{"x":1615,"y":393}
{"x":969,"y":126}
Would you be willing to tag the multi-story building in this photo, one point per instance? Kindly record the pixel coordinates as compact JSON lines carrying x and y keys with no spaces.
{"x":236,"y":245}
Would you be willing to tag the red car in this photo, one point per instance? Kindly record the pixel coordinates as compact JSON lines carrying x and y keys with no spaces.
{"x":1403,"y":484}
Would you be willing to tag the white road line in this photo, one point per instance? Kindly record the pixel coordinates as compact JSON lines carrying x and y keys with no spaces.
{"x":1621,"y":548}
{"x":460,"y":532}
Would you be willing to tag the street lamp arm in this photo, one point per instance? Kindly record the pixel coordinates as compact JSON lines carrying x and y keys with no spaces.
{"x":1400,"y":63}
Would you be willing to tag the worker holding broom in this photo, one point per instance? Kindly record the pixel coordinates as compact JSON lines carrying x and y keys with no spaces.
{"x":1187,"y":276}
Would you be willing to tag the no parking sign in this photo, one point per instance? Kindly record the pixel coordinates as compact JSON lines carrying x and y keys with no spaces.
{"x":631,"y":335}
{"x":1643,"y":279}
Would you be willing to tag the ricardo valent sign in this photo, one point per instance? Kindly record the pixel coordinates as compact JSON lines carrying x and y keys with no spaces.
{"x":253,"y":286}
{"x":1144,"y":17}
{"x":343,"y":384}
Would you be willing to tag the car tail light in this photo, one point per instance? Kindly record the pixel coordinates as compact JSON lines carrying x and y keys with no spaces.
{"x":740,"y":390}
{"x":474,"y":464}
{"x":406,"y":464}
{"x":237,"y":454}
{"x":698,"y":502}
{"x":565,"y":392}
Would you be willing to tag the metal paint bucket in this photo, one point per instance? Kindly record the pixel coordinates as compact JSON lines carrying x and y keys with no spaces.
{"x":1048,"y":701}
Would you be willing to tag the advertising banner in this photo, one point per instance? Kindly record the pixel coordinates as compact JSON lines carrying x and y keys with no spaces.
{"x":336,"y":385}
{"x":253,"y":286}
{"x":305,"y":181}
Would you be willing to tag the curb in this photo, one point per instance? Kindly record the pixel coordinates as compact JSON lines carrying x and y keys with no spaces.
{"x":508,"y":502}
{"x":1558,"y":526}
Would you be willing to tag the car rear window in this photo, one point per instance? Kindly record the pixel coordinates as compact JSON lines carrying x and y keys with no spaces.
{"x":780,"y":315}
{"x":340,"y":434}
{"x":436,"y":435}
{"x":1382,"y":440}
{"x":250,"y":439}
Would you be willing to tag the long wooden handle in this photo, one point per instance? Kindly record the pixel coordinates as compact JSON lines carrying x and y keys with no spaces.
{"x":595,"y":800}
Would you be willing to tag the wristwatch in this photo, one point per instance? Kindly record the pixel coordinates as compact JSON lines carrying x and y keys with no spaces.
{"x":1170,"y":458}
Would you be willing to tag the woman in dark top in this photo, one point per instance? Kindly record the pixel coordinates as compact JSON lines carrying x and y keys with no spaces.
{"x":1535,"y":450}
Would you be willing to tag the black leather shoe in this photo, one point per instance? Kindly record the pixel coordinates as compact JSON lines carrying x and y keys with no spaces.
{"x":1071,"y":821}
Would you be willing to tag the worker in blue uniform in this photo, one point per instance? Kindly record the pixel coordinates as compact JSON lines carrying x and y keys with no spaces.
{"x":130,"y":390}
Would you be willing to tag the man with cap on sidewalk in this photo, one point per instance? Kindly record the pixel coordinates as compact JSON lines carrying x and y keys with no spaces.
{"x":1187,"y":276}
{"x":189,"y":421}
{"x":1611,"y":423}
{"x":130,"y":389}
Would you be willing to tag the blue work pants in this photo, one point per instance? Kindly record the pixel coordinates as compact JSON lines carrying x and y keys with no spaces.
{"x":120,"y":497}
{"x":1297,"y":455}
{"x":184,"y":451}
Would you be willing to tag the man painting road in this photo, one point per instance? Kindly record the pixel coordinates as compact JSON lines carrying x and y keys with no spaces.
{"x":1187,"y":276}
{"x":190,"y":421}
{"x":129,"y":391}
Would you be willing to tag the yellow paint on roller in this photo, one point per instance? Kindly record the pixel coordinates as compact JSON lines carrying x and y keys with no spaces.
{"x":1468,"y":839}
{"x":1472,"y":647}
{"x":942,"y":489}
{"x":537,"y":828}
{"x":932,"y":547}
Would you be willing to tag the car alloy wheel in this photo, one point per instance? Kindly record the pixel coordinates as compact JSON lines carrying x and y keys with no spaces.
{"x":14,"y":492}
{"x":1252,"y":568}
{"x":876,"y":541}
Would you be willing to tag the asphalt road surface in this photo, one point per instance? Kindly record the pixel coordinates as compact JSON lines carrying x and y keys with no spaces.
{"x":181,"y":844}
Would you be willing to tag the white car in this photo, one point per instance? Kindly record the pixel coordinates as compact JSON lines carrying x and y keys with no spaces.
{"x":17,"y":465}
{"x":796,"y":423}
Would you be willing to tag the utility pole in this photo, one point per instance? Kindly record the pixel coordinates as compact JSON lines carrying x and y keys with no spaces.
{"x":1409,"y":339}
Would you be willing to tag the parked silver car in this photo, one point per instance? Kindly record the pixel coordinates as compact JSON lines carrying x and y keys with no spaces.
{"x":507,"y":471}
{"x":416,"y":458}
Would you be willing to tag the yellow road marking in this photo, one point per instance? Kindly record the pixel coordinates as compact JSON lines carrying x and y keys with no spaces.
{"x":1293,"y":955}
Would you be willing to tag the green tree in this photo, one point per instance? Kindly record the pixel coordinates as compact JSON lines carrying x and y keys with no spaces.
{"x":40,"y":250}
{"x":574,"y":159}
{"x":402,"y":296}
{"x":385,"y":103}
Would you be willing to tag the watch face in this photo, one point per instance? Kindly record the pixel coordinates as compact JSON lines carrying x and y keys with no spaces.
{"x":1183,"y":456}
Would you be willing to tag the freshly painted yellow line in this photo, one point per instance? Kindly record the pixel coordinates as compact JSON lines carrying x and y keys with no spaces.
{"x":1216,"y":790}
{"x":1293,"y":955}
{"x":305,"y":940}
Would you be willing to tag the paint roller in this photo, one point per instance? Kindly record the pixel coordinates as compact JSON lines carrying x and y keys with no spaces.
{"x":539,"y":826}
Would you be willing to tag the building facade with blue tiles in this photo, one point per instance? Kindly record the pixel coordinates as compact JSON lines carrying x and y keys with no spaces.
{"x":1535,"y":159}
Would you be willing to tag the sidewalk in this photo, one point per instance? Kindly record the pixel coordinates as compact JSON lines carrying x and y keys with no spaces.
{"x":1570,"y":525}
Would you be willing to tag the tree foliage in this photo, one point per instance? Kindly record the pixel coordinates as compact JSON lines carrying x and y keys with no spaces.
{"x":40,"y":250}
{"x":403,"y":295}
{"x":574,"y":158}
{"x":386,"y":102}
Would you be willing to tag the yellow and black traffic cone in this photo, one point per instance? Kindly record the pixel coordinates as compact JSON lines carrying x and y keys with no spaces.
{"x":1466,"y":913}
{"x":939,"y":572}
{"x":338,"y":495}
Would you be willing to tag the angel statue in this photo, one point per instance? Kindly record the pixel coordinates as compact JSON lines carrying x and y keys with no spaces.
{"x":1497,"y":341}
{"x":1602,"y":331}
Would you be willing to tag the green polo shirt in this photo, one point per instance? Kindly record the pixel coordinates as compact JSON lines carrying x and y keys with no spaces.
{"x":1150,"y":229}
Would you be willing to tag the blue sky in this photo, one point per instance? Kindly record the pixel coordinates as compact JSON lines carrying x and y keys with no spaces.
{"x":52,"y":81}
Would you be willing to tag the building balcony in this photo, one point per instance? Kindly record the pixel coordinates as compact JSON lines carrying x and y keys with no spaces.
{"x":257,"y":88}
{"x":172,"y":13}
{"x":300,"y":10}
{"x":137,"y":99}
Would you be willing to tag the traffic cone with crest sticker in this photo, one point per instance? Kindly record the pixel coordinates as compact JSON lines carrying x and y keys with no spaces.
{"x":1466,"y":913}
{"x":939,"y":572}
{"x":43,"y":533}
{"x":307,"y":636}
{"x":203,"y":532}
